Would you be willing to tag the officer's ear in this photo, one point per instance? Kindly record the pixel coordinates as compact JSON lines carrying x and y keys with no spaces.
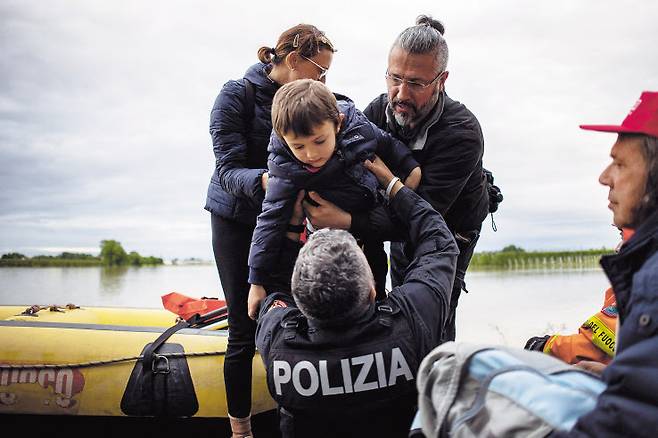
{"x":373,"y":294}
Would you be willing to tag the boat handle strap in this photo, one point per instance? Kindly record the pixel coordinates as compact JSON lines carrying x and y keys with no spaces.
{"x":150,"y":350}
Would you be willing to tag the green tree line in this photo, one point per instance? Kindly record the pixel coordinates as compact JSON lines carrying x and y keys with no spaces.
{"x":514,"y":257}
{"x":111,"y":254}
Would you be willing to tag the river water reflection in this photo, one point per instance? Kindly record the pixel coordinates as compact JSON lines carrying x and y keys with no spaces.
{"x":502,"y":307}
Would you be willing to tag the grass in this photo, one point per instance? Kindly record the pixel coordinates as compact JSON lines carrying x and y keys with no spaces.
{"x":511,"y":260}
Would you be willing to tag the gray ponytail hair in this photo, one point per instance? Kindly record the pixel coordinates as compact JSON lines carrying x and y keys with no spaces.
{"x":425,"y":37}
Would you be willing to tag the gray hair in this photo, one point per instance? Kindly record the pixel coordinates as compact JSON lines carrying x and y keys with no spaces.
{"x":425,"y":37}
{"x":332,"y":279}
{"x":649,"y":203}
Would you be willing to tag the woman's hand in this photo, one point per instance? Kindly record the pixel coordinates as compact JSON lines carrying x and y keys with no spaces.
{"x":256,"y":295}
{"x":263,"y":181}
{"x":326,"y":214}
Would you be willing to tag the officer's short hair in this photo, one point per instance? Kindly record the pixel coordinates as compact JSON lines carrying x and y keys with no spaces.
{"x":332,"y":279}
{"x":425,"y":37}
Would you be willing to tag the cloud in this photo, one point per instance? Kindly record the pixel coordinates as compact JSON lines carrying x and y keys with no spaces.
{"x":104,"y":108}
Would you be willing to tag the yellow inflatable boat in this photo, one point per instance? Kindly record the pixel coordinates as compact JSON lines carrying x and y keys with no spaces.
{"x":116,"y":362}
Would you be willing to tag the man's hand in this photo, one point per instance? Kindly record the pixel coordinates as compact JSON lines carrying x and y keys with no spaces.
{"x":385,"y":176}
{"x":297,"y":211}
{"x":591,"y":366}
{"x":380,"y":170}
{"x":256,"y":295}
{"x":297,"y":218}
{"x":326,"y":214}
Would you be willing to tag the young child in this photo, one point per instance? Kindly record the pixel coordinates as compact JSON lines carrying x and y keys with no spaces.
{"x":318,"y":144}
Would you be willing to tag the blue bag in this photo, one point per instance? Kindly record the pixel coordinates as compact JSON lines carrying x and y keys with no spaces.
{"x":468,"y":390}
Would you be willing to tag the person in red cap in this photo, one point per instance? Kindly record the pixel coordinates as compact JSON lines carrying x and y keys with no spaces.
{"x":629,"y":405}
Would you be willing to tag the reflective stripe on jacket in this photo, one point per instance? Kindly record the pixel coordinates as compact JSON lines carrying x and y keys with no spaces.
{"x":595,"y":339}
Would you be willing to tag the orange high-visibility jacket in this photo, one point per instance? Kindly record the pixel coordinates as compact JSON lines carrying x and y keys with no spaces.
{"x":595,"y":339}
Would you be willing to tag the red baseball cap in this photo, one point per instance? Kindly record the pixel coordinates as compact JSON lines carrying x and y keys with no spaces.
{"x":642,"y":119}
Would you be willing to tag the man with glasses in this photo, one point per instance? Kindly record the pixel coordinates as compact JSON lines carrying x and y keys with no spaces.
{"x":445,"y":138}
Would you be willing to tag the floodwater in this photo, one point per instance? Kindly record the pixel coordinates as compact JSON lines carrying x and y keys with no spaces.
{"x":502,"y":307}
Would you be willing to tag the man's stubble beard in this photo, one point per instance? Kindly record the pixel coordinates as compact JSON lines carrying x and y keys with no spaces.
{"x":407,"y":121}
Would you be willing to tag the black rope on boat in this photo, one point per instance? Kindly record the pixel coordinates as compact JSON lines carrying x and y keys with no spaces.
{"x":106,"y":362}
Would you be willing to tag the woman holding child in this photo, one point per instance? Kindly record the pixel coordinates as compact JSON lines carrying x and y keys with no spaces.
{"x":240,"y":127}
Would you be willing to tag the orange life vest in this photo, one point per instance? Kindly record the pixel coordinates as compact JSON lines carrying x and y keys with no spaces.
{"x":186,"y":307}
{"x":595,"y":339}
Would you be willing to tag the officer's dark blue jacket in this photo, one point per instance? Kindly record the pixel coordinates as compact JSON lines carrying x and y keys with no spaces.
{"x":343,"y":180}
{"x":629,"y":405}
{"x":358,"y":378}
{"x":240,"y":136}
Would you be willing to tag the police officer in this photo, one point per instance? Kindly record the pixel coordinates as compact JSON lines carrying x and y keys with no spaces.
{"x":338,"y":363}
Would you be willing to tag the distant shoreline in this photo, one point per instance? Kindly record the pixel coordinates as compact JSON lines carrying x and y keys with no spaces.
{"x":65,"y":263}
{"x":111,"y":254}
{"x":508,"y":260}
{"x":487,"y":260}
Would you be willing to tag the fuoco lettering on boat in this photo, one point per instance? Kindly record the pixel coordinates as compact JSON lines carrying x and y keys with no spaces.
{"x":64,"y":381}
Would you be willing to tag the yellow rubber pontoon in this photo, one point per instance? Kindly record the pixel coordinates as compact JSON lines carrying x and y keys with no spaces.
{"x":88,"y":361}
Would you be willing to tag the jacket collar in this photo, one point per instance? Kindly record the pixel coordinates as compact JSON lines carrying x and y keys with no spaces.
{"x":342,"y":323}
{"x":621,"y":267}
{"x":257,"y":75}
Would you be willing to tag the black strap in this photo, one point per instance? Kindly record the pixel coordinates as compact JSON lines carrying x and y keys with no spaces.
{"x":216,"y":315}
{"x":149,"y":351}
{"x":290,"y":328}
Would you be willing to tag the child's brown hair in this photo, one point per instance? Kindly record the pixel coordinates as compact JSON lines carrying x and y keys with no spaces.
{"x":300,"y":106}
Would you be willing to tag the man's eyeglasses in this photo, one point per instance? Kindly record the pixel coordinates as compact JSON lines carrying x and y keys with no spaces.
{"x":415,"y":86}
{"x":323,"y":71}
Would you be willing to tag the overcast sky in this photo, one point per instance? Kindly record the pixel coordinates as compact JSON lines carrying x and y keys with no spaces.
{"x":104,"y":108}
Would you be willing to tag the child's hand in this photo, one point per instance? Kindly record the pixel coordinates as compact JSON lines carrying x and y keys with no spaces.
{"x":380,"y":170}
{"x":413,"y":179}
{"x":256,"y":295}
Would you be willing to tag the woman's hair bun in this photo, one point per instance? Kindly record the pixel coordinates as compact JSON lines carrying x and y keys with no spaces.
{"x":266,"y":54}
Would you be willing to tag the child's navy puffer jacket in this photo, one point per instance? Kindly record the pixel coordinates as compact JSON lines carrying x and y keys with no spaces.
{"x":343,"y":180}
